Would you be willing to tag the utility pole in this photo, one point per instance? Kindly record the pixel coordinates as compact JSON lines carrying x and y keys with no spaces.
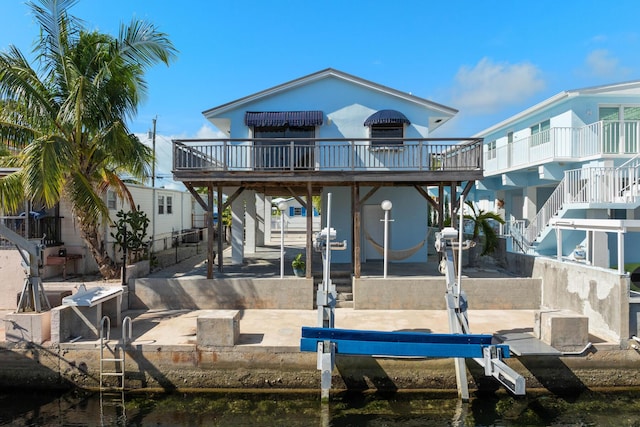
{"x":153,"y":186}
{"x":153,"y":165}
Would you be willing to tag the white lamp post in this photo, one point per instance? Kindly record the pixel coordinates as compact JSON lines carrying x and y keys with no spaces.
{"x":386,"y":206}
{"x":281,"y":207}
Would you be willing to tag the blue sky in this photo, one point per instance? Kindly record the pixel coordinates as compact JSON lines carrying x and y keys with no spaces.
{"x":487,"y":59}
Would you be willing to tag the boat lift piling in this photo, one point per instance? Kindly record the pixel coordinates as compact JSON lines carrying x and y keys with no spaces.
{"x":326,"y":300}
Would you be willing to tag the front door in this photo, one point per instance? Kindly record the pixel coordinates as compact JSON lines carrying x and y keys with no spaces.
{"x":281,"y":147}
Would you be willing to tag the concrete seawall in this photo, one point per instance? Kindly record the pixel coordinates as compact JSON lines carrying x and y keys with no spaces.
{"x":187,"y":367}
{"x":167,"y":351}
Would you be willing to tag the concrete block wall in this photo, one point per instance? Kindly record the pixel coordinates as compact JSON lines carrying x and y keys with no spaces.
{"x":13,"y":277}
{"x":205,"y":294}
{"x":28,"y":327}
{"x":428,"y":293}
{"x":67,"y":323}
{"x":598,"y":293}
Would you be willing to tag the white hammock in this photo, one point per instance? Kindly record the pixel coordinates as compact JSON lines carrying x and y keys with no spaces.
{"x":396,"y":255}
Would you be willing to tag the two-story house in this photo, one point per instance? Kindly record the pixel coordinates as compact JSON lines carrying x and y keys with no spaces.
{"x":331,"y":132}
{"x":571,"y":160}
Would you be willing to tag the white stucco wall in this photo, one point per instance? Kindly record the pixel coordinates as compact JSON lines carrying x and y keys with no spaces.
{"x":409,"y":227}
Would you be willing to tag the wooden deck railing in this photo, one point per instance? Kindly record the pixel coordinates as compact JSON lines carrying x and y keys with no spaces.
{"x":328,"y":154}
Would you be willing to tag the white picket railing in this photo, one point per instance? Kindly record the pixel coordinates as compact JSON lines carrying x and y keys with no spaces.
{"x":587,"y":186}
{"x":563,"y":143}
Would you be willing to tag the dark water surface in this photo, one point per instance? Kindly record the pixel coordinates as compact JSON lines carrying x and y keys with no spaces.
{"x":225,"y":408}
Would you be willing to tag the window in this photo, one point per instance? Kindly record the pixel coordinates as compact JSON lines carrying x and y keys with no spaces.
{"x":169,"y":205}
{"x":380,"y":134}
{"x":540,"y":133}
{"x":619,"y":128}
{"x":386,"y":128}
{"x":112,"y":200}
{"x":491,"y":150}
{"x":160,"y":205}
{"x":297,"y":211}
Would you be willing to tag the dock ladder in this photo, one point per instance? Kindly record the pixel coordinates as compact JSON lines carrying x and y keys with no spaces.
{"x":116,"y":355}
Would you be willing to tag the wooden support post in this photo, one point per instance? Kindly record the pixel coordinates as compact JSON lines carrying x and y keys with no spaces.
{"x":453,"y":205}
{"x":210,"y":232}
{"x":440,"y":206}
{"x":309,"y":248}
{"x":220,"y":230}
{"x":357,"y":218}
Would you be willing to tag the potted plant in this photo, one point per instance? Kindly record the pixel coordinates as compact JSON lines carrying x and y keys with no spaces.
{"x":482,"y":226}
{"x":299,"y":266}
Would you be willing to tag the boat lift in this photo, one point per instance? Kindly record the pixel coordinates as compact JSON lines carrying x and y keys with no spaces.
{"x":326,"y":301}
{"x":460,"y":344}
{"x":491,"y":359}
{"x":33,"y":297}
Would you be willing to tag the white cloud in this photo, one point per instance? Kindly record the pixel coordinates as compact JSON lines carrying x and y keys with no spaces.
{"x":600,"y":63}
{"x":207,"y":131}
{"x":490,"y":86}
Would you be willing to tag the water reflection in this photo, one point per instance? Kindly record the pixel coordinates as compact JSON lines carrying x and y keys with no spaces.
{"x":291,"y":409}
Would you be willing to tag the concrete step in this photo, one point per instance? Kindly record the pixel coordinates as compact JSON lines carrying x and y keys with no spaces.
{"x":344,"y":296}
{"x":344,"y":304}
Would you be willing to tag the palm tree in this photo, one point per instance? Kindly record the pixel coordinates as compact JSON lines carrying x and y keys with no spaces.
{"x":68,"y":116}
{"x":482,"y":226}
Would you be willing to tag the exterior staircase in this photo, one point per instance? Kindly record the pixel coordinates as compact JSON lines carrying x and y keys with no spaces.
{"x":344,"y":287}
{"x":580,"y":189}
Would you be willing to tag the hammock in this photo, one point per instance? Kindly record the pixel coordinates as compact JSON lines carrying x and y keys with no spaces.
{"x":396,"y":255}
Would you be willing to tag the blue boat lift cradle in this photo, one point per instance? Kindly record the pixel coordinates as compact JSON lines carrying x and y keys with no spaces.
{"x":460,"y":344}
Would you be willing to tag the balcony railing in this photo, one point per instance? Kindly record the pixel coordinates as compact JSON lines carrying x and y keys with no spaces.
{"x":604,"y":138}
{"x":593,"y":185}
{"x":46,"y":229}
{"x":307,"y":154}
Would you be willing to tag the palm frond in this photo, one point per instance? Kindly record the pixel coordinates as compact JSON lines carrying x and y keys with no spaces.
{"x":140,"y":42}
{"x":46,"y":164}
{"x":12,"y":193}
{"x":20,"y":83}
{"x":58,"y":30}
{"x":82,"y":194}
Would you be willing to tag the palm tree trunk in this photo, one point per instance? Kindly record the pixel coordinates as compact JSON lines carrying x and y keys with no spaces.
{"x":91,"y":236}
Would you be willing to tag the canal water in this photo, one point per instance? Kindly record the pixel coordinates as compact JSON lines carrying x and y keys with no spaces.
{"x":290,"y":409}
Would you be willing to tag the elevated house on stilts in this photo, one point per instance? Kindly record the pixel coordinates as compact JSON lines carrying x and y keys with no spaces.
{"x":330,"y":132}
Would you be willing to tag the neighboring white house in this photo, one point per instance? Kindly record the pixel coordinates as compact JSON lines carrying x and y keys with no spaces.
{"x":294,"y":214}
{"x":171,"y":213}
{"x":573,"y":156}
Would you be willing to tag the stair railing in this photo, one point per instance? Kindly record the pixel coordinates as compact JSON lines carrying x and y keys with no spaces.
{"x":585,"y":185}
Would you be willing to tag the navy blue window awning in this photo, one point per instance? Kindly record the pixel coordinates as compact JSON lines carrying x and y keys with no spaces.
{"x":283,"y":118}
{"x":386,"y":117}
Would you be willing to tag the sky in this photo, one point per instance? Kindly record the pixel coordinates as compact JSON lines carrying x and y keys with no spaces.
{"x":488,"y":59}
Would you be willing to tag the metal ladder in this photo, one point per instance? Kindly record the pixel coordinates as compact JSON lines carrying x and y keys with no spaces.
{"x":119,"y":362}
